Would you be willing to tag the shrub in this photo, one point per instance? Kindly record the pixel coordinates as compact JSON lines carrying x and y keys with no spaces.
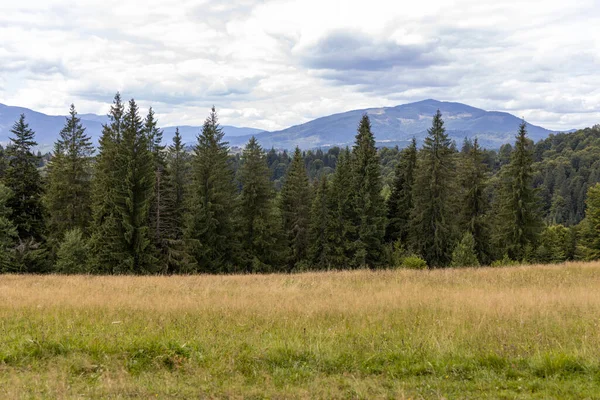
{"x":414,"y":262}
{"x":505,"y":262}
{"x":73,"y":253}
{"x":464,"y":252}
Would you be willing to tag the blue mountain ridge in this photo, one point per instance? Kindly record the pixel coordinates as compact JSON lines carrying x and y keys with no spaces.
{"x":391,"y":126}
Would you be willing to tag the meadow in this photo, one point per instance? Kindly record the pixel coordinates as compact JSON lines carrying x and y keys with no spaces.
{"x":515,"y":332}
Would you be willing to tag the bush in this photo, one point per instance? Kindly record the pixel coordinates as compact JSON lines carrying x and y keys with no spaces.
{"x":505,"y":262}
{"x":464,"y":252}
{"x":73,"y":253}
{"x":414,"y":262}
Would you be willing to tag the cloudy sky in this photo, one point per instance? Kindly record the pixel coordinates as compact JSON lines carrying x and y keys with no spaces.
{"x":272,"y":64}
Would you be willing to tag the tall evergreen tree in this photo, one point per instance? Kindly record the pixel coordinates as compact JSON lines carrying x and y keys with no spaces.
{"x":211,"y":221}
{"x":68,"y":194}
{"x":341,"y":230}
{"x":27,"y":213}
{"x":160,"y":221}
{"x":8,"y":232}
{"x":295,"y":209}
{"x":135,"y":165}
{"x":369,"y":206}
{"x":178,"y":176}
{"x":106,"y":233}
{"x":260,"y":222}
{"x":400,"y":202}
{"x":474,"y":202}
{"x":432,"y":218}
{"x":319,"y":249}
{"x":519,"y":221}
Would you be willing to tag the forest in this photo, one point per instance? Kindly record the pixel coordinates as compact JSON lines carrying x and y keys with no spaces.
{"x":137,"y":205}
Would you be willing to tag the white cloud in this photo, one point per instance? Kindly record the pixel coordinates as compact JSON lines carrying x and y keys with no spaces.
{"x":271,"y":64}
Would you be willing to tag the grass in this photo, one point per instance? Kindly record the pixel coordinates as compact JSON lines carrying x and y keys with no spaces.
{"x":518,"y":332}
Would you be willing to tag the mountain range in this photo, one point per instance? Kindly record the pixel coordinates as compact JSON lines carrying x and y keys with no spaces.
{"x":391,"y":126}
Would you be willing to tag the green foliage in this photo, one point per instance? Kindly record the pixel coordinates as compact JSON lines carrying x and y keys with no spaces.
{"x":319,"y":251}
{"x":433,"y":215}
{"x":505,"y":261}
{"x":68,"y":194}
{"x":556,"y":245}
{"x":369,"y":206}
{"x":72,"y":254}
{"x":518,"y":220}
{"x":340,"y":228}
{"x":260,"y":221}
{"x":414,"y":262}
{"x":464,"y":254}
{"x":211,"y":231}
{"x":474,"y":202}
{"x":27,"y":212}
{"x":8,"y":232}
{"x":400,"y":202}
{"x":295,"y":209}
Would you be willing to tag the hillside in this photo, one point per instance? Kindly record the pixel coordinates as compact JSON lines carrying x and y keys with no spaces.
{"x":397,"y":125}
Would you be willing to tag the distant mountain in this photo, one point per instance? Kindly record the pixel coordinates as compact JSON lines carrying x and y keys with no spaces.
{"x":391,"y":125}
{"x":397,"y":125}
{"x":47,"y":127}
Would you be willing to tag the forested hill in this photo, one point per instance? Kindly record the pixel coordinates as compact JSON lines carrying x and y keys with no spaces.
{"x":566,"y":165}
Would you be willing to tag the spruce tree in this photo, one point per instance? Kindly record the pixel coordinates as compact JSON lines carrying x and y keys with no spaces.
{"x":369,"y":206}
{"x":260,"y":222}
{"x":106,"y":243}
{"x":135,"y":166}
{"x":8,"y":232}
{"x":400,"y":202}
{"x":319,"y":249}
{"x":432,"y":218}
{"x":27,"y":212}
{"x":68,"y":194}
{"x":178,"y":175}
{"x":295,"y":209}
{"x":73,"y":253}
{"x":519,"y":221}
{"x":474,"y":201}
{"x":161,"y":224}
{"x":341,"y":230}
{"x":211,"y":231}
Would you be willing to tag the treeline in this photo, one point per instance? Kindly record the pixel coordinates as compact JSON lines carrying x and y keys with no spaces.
{"x":137,"y":206}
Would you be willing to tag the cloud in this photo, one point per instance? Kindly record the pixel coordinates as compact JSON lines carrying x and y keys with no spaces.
{"x":270,"y":64}
{"x":355,"y":51}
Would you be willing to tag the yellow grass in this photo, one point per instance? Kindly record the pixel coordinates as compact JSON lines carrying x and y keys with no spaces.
{"x":528,"y":331}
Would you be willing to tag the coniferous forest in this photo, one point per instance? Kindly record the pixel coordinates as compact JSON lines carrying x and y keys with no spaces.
{"x":140,"y":203}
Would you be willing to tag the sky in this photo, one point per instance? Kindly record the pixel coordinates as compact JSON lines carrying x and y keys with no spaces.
{"x":273,"y":64}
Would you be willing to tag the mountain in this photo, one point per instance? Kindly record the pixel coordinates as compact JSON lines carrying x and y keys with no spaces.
{"x":398,"y":125}
{"x":47,"y":127}
{"x":391,"y":125}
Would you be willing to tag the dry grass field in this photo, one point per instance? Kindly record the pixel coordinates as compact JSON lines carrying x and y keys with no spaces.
{"x":520,"y":332}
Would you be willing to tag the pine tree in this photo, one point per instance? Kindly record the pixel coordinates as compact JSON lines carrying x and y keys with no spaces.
{"x":369,"y":205}
{"x":432,"y":218}
{"x":295,"y":209}
{"x":519,"y":221}
{"x":106,"y":244}
{"x":259,"y":220}
{"x":160,"y":222}
{"x":474,"y":201}
{"x":400,"y":202}
{"x":8,"y":232}
{"x":464,"y":254}
{"x":340,"y":227}
{"x":27,"y":213}
{"x":178,"y":175}
{"x":319,"y":251}
{"x":68,"y":194}
{"x":211,"y":221}
{"x":135,"y":166}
